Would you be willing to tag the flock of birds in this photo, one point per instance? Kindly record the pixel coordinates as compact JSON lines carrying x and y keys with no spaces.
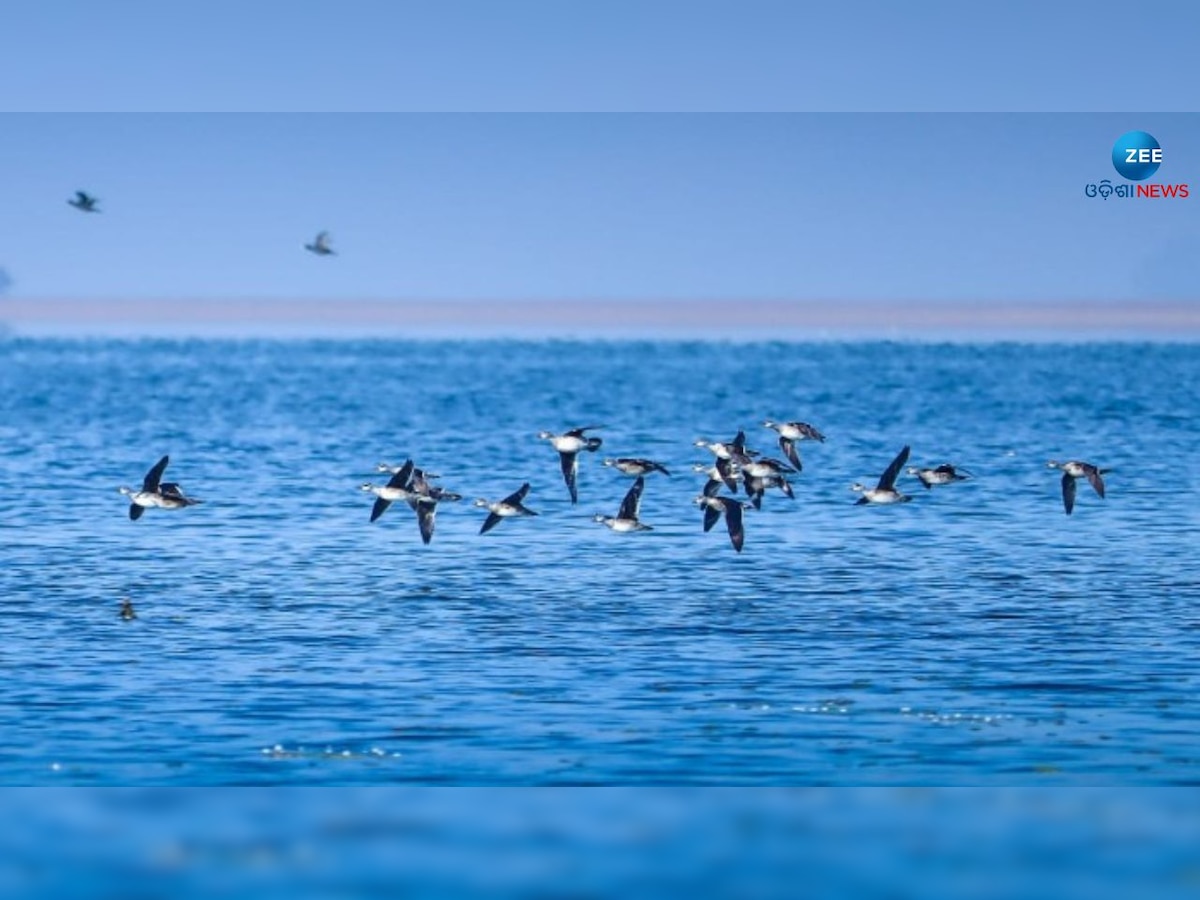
{"x":736,"y":468}
{"x":85,"y":202}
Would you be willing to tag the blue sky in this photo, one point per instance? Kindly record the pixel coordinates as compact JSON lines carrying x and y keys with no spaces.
{"x":596,"y":55}
{"x":594,"y":207}
{"x":681,"y":192}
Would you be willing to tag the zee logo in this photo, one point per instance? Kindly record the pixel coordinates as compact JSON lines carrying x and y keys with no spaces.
{"x":1136,"y":155}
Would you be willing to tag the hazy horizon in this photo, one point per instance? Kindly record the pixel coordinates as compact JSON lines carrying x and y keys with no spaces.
{"x":701,"y":318}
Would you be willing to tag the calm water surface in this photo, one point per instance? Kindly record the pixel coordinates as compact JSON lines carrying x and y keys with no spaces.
{"x":975,"y":635}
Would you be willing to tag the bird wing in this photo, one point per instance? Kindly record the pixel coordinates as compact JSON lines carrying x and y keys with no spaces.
{"x":154,"y":476}
{"x":733,"y":521}
{"x":633,"y":500}
{"x":135,"y":511}
{"x":887,"y":480}
{"x":712,"y":488}
{"x":578,"y":432}
{"x":1068,"y":486}
{"x":1094,"y":479}
{"x":515,"y":498}
{"x":425,"y":514}
{"x":490,"y":522}
{"x":788,"y":447}
{"x":380,"y":506}
{"x":570,"y":468}
{"x":725,"y":470}
{"x":400,"y":479}
{"x":711,"y":514}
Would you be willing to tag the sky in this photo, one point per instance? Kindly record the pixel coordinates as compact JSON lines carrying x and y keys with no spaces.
{"x":631,"y":150}
{"x":900,"y":207}
{"x":596,"y":55}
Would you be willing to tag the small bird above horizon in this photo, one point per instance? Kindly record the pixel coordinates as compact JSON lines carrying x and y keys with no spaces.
{"x":84,"y":202}
{"x":1073,"y":469}
{"x":320,"y":245}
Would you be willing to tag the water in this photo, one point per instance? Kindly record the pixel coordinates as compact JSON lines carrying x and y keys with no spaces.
{"x":976,"y":635}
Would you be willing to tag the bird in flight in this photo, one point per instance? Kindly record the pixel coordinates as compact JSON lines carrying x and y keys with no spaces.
{"x":320,"y":245}
{"x":84,"y":202}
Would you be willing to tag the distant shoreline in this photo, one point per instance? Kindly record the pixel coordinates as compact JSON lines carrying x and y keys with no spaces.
{"x":793,"y":320}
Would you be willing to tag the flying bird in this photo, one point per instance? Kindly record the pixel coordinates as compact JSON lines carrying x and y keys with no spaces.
{"x":320,"y":245}
{"x":943,"y":474}
{"x":715,"y":506}
{"x":626,"y":518}
{"x":509,"y":507}
{"x":1074,"y":469}
{"x":631,"y":466}
{"x":156,"y":493}
{"x":885,"y":491}
{"x":789,"y":434}
{"x":84,"y":202}
{"x":569,"y":444}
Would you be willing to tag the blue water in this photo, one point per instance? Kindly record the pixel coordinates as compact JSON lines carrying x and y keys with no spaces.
{"x":975,"y":635}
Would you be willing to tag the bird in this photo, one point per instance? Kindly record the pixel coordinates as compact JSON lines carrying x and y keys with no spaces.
{"x":391,"y":469}
{"x":885,"y":491}
{"x":715,"y":474}
{"x":943,"y":474}
{"x":156,"y":493}
{"x":84,"y":202}
{"x":569,"y":444}
{"x":127,"y":612}
{"x":789,"y":434}
{"x":507,"y":508}
{"x":395,"y":489}
{"x":727,"y":449}
{"x":728,"y":455}
{"x":626,"y":518}
{"x":633,"y":466}
{"x":423,"y":498}
{"x":320,"y":245}
{"x":732,"y":508}
{"x":756,"y":486}
{"x":1073,"y":469}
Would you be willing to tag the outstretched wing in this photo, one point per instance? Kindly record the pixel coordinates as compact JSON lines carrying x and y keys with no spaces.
{"x":490,"y":522}
{"x":425,"y":514}
{"x":135,"y":511}
{"x":725,"y":470}
{"x":402,"y":475}
{"x":570,"y":468}
{"x":887,"y":480}
{"x":1097,"y":483}
{"x":379,"y":508}
{"x":711,"y":514}
{"x":712,"y":488}
{"x":633,"y":500}
{"x":515,"y":498}
{"x":733,"y":521}
{"x":1068,"y":486}
{"x":154,"y":476}
{"x":578,"y":432}
{"x":788,"y":446}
